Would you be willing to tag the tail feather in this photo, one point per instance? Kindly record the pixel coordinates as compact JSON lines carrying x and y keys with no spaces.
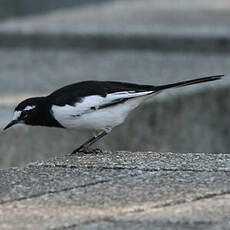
{"x":189,"y":82}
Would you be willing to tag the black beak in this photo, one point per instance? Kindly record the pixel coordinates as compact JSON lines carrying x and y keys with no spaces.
{"x":14,"y":122}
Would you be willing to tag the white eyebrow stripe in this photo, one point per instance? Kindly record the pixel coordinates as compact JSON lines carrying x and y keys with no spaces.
{"x":16,"y":115}
{"x":29,"y":107}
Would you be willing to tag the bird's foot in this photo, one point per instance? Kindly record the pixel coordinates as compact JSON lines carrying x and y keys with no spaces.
{"x":97,"y":151}
{"x":91,"y":151}
{"x":86,"y":150}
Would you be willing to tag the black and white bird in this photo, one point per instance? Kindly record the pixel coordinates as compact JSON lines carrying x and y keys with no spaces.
{"x":97,"y":106}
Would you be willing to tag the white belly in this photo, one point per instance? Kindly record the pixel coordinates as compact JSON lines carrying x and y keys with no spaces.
{"x":97,"y":120}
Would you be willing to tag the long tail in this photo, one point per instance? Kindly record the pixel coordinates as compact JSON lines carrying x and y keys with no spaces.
{"x":189,"y":82}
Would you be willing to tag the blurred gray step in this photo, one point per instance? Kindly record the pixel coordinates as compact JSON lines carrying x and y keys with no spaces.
{"x":159,"y":25}
{"x":10,"y":8}
{"x":29,"y":72}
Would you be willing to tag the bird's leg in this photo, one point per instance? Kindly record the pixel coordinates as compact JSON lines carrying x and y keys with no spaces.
{"x":85,"y":147}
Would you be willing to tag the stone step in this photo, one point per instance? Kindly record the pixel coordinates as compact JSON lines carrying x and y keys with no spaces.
{"x":118,"y":190}
{"x":200,"y":26}
{"x":10,"y":9}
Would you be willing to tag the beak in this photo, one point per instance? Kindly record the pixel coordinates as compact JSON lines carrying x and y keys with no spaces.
{"x":14,"y":122}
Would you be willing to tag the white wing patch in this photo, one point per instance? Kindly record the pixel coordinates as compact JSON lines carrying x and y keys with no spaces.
{"x":72,"y":116}
{"x":122,"y":95}
{"x":91,"y":103}
{"x":29,"y":107}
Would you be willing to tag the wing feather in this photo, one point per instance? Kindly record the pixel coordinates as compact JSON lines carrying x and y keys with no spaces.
{"x":91,"y":103}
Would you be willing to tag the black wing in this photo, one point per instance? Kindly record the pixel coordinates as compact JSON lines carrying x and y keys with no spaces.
{"x":74,"y":93}
{"x":71,"y":94}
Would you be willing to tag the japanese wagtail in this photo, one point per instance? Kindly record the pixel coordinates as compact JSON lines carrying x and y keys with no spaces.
{"x":97,"y":106}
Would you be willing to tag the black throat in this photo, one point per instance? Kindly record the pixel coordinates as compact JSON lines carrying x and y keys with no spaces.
{"x":42,"y":115}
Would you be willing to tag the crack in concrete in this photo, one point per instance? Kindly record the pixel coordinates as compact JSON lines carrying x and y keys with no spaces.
{"x":137,"y":168}
{"x":109,"y":218}
{"x":92,"y":221}
{"x":54,"y":192}
{"x":166,"y":169}
{"x":108,"y":180}
{"x":204,"y":197}
{"x":63,"y":190}
{"x":142,"y":210}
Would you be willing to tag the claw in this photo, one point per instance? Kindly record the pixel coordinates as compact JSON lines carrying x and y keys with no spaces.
{"x":84,"y":150}
{"x":97,"y":151}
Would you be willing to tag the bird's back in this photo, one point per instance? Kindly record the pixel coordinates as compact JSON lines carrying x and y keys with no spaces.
{"x":73,"y":93}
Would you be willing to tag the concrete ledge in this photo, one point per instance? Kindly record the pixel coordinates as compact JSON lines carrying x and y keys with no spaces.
{"x":118,"y":189}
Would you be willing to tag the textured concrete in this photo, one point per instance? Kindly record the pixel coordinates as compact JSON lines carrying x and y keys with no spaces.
{"x":147,"y":24}
{"x":118,"y":190}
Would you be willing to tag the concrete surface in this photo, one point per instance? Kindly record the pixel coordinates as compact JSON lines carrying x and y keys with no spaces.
{"x":147,"y":24}
{"x":118,"y":190}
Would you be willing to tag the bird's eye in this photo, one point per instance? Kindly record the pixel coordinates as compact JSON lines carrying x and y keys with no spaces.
{"x":24,"y":114}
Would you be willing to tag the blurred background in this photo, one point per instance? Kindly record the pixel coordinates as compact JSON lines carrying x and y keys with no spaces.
{"x":47,"y":44}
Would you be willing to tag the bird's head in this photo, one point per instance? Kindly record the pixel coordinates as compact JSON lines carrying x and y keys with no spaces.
{"x":26,"y":112}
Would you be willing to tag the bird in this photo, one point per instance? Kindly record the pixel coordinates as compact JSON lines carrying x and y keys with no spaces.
{"x":96,"y":106}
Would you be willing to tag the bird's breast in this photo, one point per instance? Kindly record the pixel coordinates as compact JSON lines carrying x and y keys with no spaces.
{"x":94,"y":119}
